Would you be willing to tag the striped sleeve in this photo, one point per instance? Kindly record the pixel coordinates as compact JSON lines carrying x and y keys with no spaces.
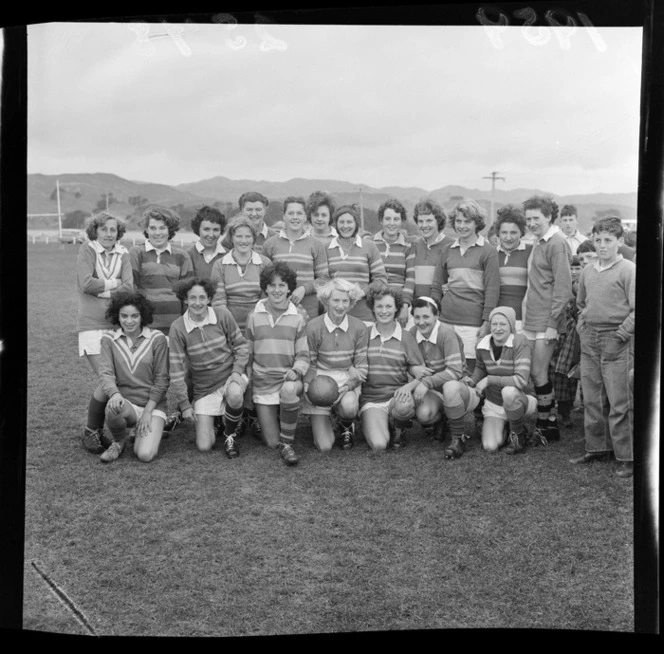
{"x":521,"y":376}
{"x":161,"y":379}
{"x":220,"y":298}
{"x":321,"y":273}
{"x":237,"y":341}
{"x":409,"y":282}
{"x":107,"y":376}
{"x":377,"y":273}
{"x":301,"y":364}
{"x":413,"y":354}
{"x":314,"y":334}
{"x":439,"y":278}
{"x":126,"y":277}
{"x":360,"y":356}
{"x":177,"y":356}
{"x":491,"y":282}
{"x":448,"y":344}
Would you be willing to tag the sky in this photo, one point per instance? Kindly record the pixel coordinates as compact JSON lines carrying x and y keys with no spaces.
{"x":422,"y":106}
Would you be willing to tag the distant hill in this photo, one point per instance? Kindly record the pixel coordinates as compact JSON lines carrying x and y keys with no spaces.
{"x":83,"y":192}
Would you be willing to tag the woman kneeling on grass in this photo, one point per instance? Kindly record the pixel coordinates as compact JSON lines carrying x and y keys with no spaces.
{"x":278,"y":359}
{"x":133,"y":369}
{"x":337,"y":348}
{"x":442,"y":350}
{"x":208,"y":343}
{"x":502,"y":372}
{"x":386,"y":402}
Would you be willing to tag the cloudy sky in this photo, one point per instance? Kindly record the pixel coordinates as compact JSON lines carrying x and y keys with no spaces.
{"x":418,"y":106}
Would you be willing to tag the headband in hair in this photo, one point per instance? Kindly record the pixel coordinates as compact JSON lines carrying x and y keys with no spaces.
{"x":431,"y":301}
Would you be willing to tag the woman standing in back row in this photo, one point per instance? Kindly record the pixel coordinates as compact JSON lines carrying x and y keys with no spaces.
{"x":103,"y":271}
{"x":549,"y":291}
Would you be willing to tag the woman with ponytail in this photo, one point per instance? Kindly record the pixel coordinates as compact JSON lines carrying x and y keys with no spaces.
{"x":549,"y":291}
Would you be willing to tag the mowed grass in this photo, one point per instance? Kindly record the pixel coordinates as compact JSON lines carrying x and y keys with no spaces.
{"x":197,"y":545}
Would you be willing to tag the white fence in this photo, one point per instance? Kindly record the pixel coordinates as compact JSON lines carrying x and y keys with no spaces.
{"x":130,"y":238}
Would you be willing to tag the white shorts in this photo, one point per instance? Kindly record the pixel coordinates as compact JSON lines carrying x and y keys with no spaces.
{"x":384,"y":406}
{"x":212,"y":404}
{"x":341,"y":377}
{"x":156,"y":413}
{"x":468,"y":337}
{"x":266,"y":398}
{"x":89,"y":342}
{"x":534,"y":336}
{"x":491,"y":410}
{"x":518,"y":326}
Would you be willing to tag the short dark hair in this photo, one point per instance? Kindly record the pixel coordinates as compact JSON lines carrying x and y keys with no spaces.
{"x":544,"y":203}
{"x":319,"y":199}
{"x":630,"y":238}
{"x":100,"y":219}
{"x":211,"y":215}
{"x":377,"y":293}
{"x":395,"y":205}
{"x":133,"y":298}
{"x":278,"y":269}
{"x":510,"y":213}
{"x":252,"y":196}
{"x":586,"y":246}
{"x":421,"y":302}
{"x":611,"y":224}
{"x":350,"y":209}
{"x":568,"y":210}
{"x":183,"y":287}
{"x":430,"y":206}
{"x":470,"y":209}
{"x":168,"y":216}
{"x":295,"y":199}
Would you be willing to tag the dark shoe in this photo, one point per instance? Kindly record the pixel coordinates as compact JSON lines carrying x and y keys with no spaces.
{"x":242,"y":426}
{"x":92,"y":440}
{"x":398,"y":440}
{"x":230,"y":447}
{"x":552,"y":431}
{"x":171,"y":423}
{"x":256,"y":428}
{"x":288,"y":454}
{"x":589,"y":457}
{"x":625,"y":469}
{"x":435,"y":432}
{"x":347,"y":434}
{"x":455,"y":450}
{"x":538,"y":437}
{"x":113,"y":452}
{"x":517,"y":443}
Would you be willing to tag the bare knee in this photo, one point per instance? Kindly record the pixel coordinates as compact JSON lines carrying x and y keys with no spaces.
{"x":290,"y":392}
{"x":510,"y":395}
{"x":234,"y":396}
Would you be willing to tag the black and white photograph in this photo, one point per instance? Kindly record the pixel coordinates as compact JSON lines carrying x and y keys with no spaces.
{"x":339,"y":325}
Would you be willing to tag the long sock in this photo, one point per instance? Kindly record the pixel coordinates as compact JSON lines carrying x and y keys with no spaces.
{"x":231,"y":418}
{"x":346,"y":423}
{"x":288,"y":421}
{"x":96,"y":413}
{"x":455,"y":418}
{"x":516,"y":416}
{"x":545,"y":400}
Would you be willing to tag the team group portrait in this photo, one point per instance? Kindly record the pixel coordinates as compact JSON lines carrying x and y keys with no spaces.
{"x":327,"y":335}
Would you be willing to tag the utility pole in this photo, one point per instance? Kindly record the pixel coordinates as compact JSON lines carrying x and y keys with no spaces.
{"x":57,"y":187}
{"x":493,"y":177}
{"x":361,"y":212}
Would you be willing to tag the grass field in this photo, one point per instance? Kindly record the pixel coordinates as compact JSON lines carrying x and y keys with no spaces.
{"x":197,"y":545}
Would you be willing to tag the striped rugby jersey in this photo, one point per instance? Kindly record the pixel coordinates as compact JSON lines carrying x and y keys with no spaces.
{"x":473,"y":283}
{"x":337,"y":347}
{"x":512,"y":369}
{"x":442,"y":351}
{"x":399,"y":261}
{"x":202,"y":267}
{"x":361,"y":265}
{"x":138,"y":372}
{"x":236,"y":289}
{"x":275,"y":347}
{"x":390,"y":362}
{"x":425,"y":262}
{"x":155,"y":273}
{"x":307,"y":257}
{"x":210,"y":352}
{"x":513,"y":268}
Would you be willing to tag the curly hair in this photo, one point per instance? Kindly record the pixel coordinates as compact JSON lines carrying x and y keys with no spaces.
{"x":183,"y":287}
{"x":510,"y":213}
{"x":396,"y":206}
{"x":568,"y":210}
{"x":425,"y":301}
{"x":338,"y":284}
{"x":241,"y":221}
{"x":471,"y":210}
{"x":377,"y":293}
{"x":544,"y":203}
{"x":133,"y":298}
{"x":211,"y":215}
{"x":279,"y":269}
{"x":100,"y":219}
{"x":252,"y":196}
{"x":611,"y":224}
{"x":350,"y":209}
{"x":167,"y":216}
{"x":319,"y":199}
{"x":295,"y":199}
{"x":430,"y":206}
